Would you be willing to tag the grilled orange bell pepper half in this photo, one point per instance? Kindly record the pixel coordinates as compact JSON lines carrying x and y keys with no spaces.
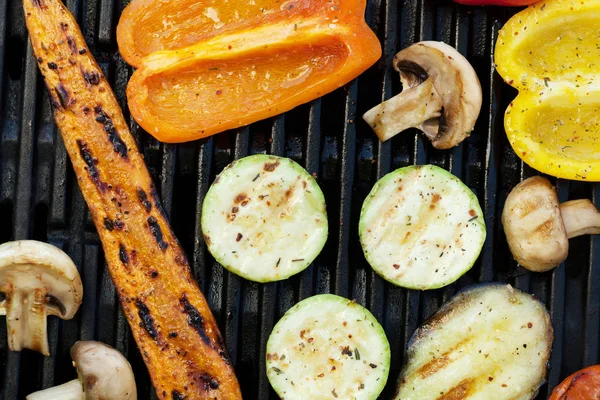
{"x":550,"y":52}
{"x":205,"y":66}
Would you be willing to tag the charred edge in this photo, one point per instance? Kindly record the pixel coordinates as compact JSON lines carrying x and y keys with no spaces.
{"x":176,"y":395}
{"x":63,"y":95}
{"x":70,"y":41}
{"x":208,"y":382}
{"x":123,"y":254}
{"x":194,"y":319}
{"x":221,"y":349}
{"x":157,"y":233}
{"x":91,"y":162}
{"x":108,"y":224}
{"x":119,"y":225}
{"x":93,"y":78}
{"x":147,"y":320}
{"x":143,"y":197}
{"x":111,"y":131}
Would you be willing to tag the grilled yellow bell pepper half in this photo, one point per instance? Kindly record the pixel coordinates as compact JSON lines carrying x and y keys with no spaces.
{"x":550,"y":52}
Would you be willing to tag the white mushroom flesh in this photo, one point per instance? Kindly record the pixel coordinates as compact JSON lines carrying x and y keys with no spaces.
{"x":36,"y":280}
{"x":580,"y":217}
{"x":104,"y":372}
{"x":533,"y":225}
{"x":441,"y":96}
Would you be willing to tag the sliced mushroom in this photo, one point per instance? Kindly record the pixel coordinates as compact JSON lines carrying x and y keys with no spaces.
{"x":36,"y":280}
{"x":103,"y":374}
{"x":441,"y":96}
{"x":538,"y":227}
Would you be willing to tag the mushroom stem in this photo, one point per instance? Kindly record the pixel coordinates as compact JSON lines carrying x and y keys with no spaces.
{"x":409,"y":109}
{"x":26,"y":320}
{"x":580,"y":217}
{"x":67,"y":391}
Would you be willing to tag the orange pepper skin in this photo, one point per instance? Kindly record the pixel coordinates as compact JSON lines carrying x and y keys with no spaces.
{"x":220,"y":67}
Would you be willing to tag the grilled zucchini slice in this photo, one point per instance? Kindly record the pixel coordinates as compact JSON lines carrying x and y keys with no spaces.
{"x":264,"y":218}
{"x":421,"y":227}
{"x":489,"y":342}
{"x":328,"y":347}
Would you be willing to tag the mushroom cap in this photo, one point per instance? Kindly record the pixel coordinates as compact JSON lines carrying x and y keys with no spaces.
{"x":27,"y":265}
{"x":103,"y":371}
{"x":533,"y":225}
{"x":454,"y":80}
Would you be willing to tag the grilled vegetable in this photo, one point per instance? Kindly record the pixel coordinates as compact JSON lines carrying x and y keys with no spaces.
{"x":328,"y":347}
{"x":582,"y":385}
{"x":421,"y":227}
{"x":264,"y":218}
{"x":441,"y":96}
{"x":549,"y":52}
{"x":168,"y":315}
{"x":205,"y":66}
{"x":102,"y":374}
{"x":36,"y":280}
{"x":538,"y":228}
{"x":489,"y":342}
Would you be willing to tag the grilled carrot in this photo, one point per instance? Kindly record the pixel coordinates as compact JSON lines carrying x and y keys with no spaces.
{"x":168,"y":315}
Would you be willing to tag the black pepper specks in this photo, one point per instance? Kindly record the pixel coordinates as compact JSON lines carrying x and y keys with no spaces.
{"x":52,"y":65}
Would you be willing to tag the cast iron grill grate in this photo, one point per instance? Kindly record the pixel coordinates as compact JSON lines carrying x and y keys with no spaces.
{"x":39,"y":199}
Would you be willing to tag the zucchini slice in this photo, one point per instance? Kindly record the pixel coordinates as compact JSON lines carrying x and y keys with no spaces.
{"x":490,"y":341}
{"x":421,"y":227}
{"x":328,"y":347}
{"x":264,"y":218}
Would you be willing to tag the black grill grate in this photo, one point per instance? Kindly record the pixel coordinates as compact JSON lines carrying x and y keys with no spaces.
{"x":39,"y":199}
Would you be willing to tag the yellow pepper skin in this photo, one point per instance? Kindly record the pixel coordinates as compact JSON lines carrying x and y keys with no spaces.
{"x":550,"y":52}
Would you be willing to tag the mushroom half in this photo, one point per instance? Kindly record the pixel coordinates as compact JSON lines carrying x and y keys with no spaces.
{"x":36,"y":280}
{"x":441,"y":96}
{"x":538,"y":227}
{"x":103,"y":374}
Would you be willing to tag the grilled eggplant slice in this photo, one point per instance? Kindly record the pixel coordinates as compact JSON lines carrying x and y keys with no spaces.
{"x":168,"y":315}
{"x":328,"y":347}
{"x":421,"y":227}
{"x":264,"y":218}
{"x":490,"y":341}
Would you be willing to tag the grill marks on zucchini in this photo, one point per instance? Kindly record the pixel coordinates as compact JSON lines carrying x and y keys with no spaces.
{"x":313,"y":351}
{"x":264,"y":218}
{"x":420,"y":227}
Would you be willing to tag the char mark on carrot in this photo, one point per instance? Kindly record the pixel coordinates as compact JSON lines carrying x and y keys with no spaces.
{"x":195,"y":319}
